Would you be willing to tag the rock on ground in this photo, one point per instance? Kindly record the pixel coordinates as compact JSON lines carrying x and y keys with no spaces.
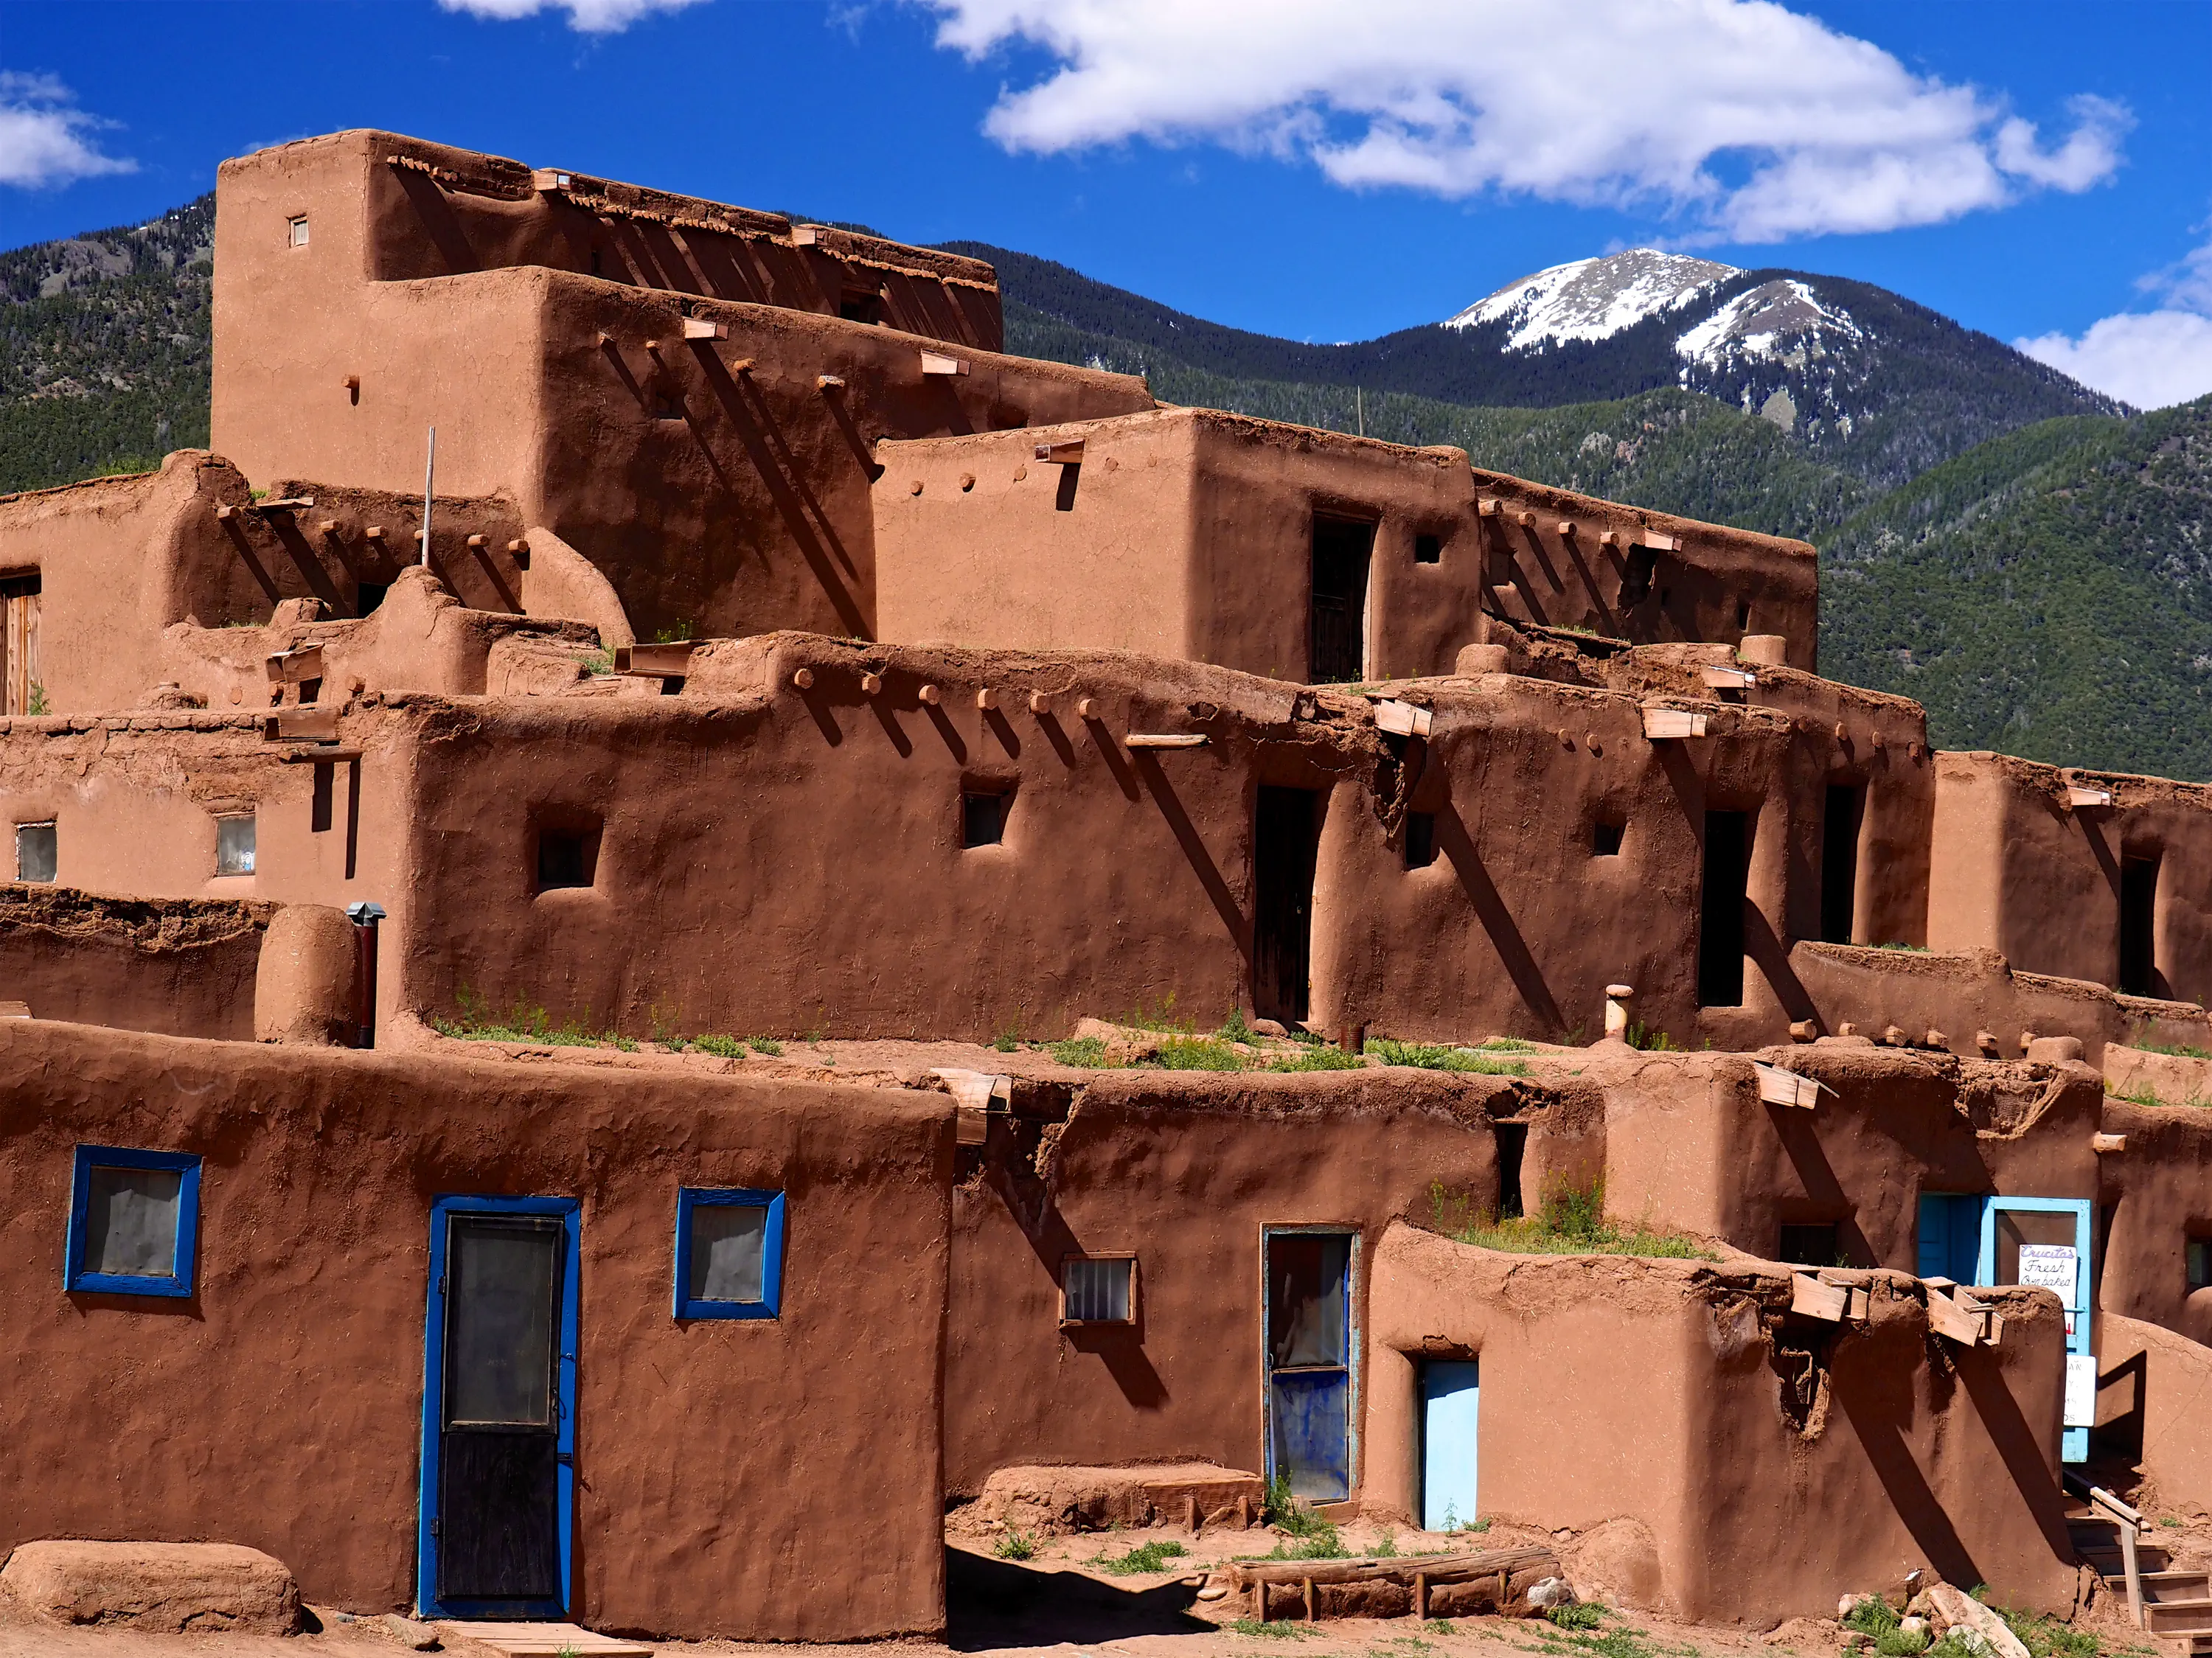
{"x":160,"y":1587}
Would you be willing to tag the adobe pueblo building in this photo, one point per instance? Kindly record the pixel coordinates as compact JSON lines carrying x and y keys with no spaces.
{"x":771,"y":656}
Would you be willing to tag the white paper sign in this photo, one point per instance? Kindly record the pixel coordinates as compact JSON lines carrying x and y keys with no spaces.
{"x":2080,"y":1389}
{"x":2050,"y":1266}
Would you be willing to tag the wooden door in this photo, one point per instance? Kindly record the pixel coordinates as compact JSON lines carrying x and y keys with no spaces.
{"x":500,"y":1412}
{"x":1286,"y":846}
{"x":1337,"y":647}
{"x":20,"y":685}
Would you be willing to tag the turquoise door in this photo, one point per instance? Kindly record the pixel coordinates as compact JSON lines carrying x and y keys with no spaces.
{"x":2045,"y":1241}
{"x":1451,"y":1410}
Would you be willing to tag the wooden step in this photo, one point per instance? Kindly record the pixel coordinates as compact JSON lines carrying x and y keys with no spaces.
{"x":541,"y":1640}
{"x":2177,"y":1616}
{"x":2171,"y":1586}
{"x":2183,"y":1646}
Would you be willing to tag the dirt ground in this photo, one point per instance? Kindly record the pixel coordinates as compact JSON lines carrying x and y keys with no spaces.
{"x":1064,"y":1602}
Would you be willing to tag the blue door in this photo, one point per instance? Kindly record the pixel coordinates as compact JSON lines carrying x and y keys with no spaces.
{"x":1310,"y":1343}
{"x":498,"y":1409}
{"x":1951,"y":1236}
{"x":1451,"y":1402}
{"x":2046,"y":1242}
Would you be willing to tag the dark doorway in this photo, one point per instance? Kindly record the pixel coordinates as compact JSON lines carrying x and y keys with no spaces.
{"x":2138,"y":925}
{"x":1342,"y":549}
{"x":495,"y":1519}
{"x":1420,"y":838}
{"x":1720,"y":933}
{"x":1811,"y":1244}
{"x":1839,"y":862}
{"x":1285,"y":843}
{"x":1512,"y":1150}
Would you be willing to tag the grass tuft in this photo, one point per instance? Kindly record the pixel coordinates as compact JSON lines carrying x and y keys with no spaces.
{"x":1144,"y":1557}
{"x":1087,"y":1052}
{"x":1015,"y":1546}
{"x":1432,"y":1056}
{"x":1277,"y":1629}
{"x":522,"y":1023}
{"x":767,"y":1045}
{"x":1570,"y":1222}
{"x":1318,"y":1056}
{"x":1198,"y":1053}
{"x":1579,"y":1614}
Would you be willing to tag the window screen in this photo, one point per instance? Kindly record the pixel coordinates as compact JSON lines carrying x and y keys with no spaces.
{"x":504,"y":1280}
{"x":297,"y":229}
{"x":1097,"y":1291}
{"x":130,"y":1221}
{"x":728,"y":1251}
{"x":565,"y":858}
{"x":1307,"y":1315}
{"x":234,"y":846}
{"x":37,"y":850}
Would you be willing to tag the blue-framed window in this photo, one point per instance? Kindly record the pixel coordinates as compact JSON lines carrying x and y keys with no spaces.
{"x":729,"y":1253}
{"x":134,"y":1222}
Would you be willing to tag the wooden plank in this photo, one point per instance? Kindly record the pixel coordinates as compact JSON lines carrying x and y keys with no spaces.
{"x":655,"y":661}
{"x":936,"y":363}
{"x":1068,"y":453}
{"x":290,"y":667}
{"x":1780,"y":1087}
{"x":1403,"y":719}
{"x":702,"y":328}
{"x":1729,"y":679}
{"x":2079,"y":794}
{"x":1810,"y":1298}
{"x":1661,"y":723}
{"x":1166,"y":739}
{"x":310,"y":725}
{"x":1437,"y":1568}
{"x":1946,"y":1318}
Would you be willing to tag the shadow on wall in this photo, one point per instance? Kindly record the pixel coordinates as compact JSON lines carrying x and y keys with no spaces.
{"x":999,"y":1603}
{"x":1498,"y":921}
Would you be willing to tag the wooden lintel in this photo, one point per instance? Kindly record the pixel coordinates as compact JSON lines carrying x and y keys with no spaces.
{"x":311,"y":724}
{"x":1403,"y":719}
{"x":1662,"y":723}
{"x":290,"y":667}
{"x":319,"y":756}
{"x":1166,"y":739}
{"x":655,"y":661}
{"x":1810,"y":1298}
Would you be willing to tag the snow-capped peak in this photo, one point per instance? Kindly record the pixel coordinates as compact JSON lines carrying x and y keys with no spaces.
{"x":1771,"y":321}
{"x":1593,"y":299}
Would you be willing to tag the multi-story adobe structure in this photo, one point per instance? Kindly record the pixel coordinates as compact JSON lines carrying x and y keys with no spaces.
{"x":779,"y":656}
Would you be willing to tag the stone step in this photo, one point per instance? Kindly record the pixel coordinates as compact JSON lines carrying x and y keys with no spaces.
{"x":544,"y":1640}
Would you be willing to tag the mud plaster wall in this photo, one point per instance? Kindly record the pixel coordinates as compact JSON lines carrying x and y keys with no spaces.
{"x":717,"y":498}
{"x":2154,"y":1406}
{"x":2016,"y":872}
{"x":133,"y":800}
{"x":185,"y":968}
{"x":2155,"y":1196}
{"x":1697,"y":591}
{"x":712,"y":1457}
{"x":1690,"y":1144}
{"x":1641,"y":1404}
{"x":1185,"y":1172}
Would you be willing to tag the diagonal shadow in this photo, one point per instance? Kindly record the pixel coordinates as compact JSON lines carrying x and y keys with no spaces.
{"x":1193,"y":848}
{"x":1002,"y":1603}
{"x":1880,"y":1435}
{"x":1496,"y":920}
{"x":2019,"y":1445}
{"x":1772,"y":957}
{"x":244,"y":548}
{"x":1802,"y":1145}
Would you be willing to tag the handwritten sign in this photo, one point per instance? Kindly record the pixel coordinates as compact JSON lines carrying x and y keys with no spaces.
{"x":2081,"y":1390}
{"x":2054,"y":1266}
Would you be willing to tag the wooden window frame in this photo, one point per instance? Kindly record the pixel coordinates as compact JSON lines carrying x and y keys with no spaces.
{"x":690,"y":1308}
{"x":1129,"y":1323}
{"x":77,"y":1277}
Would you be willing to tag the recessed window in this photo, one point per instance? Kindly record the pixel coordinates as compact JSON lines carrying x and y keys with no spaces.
{"x":1420,"y":838}
{"x":1605,"y":838}
{"x":134,"y":1222}
{"x":36,"y":849}
{"x":729,"y":1253}
{"x":667,"y":406}
{"x":567,"y":856}
{"x":1428,"y":549}
{"x":858,"y":305}
{"x":234,"y":846}
{"x":983,"y":819}
{"x":1743,"y":616}
{"x":297,"y":229}
{"x":1810,"y":1246}
{"x":1098,"y":1289}
{"x":2200,"y":1265}
{"x":368,"y":595}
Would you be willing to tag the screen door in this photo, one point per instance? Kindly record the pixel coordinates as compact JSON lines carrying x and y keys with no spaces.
{"x":2045,"y":1241}
{"x":500,"y":1411}
{"x":1309,"y":1344}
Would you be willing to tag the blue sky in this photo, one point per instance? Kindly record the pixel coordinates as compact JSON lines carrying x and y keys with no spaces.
{"x":1325,"y":169}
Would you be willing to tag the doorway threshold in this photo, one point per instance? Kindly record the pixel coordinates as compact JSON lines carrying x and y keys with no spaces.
{"x":540,"y":1640}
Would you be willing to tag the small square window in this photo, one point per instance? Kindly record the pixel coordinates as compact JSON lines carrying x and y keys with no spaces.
{"x":1428,"y":549}
{"x":2200,"y":1265}
{"x":1605,"y":839}
{"x":298,"y":230}
{"x":982,"y":819}
{"x":1420,"y":838}
{"x":1743,"y":616}
{"x":1811,"y":1246}
{"x":234,"y":846}
{"x":134,"y":1222}
{"x":37,"y":851}
{"x":729,"y":1253}
{"x":567,"y":856}
{"x":1098,"y":1289}
{"x":368,"y":595}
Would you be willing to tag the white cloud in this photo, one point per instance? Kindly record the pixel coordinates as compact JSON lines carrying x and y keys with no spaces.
{"x":1747,"y":119}
{"x":585,"y":16}
{"x":2148,"y":358}
{"x":44,"y":138}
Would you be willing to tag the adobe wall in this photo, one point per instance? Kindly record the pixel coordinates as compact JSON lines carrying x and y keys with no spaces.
{"x":2154,"y":1406}
{"x":2019,"y":870}
{"x":710,"y":1455}
{"x":1185,"y":1171}
{"x":1188,"y":532}
{"x":719,"y":485}
{"x":2154,"y":1196}
{"x":1647,"y":1406}
{"x":1690,"y":1145}
{"x":183,"y":966}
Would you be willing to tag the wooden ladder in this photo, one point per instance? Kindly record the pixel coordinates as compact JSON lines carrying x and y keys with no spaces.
{"x":2174,"y":1606}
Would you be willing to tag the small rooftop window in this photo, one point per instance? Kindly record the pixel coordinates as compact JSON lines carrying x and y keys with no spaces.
{"x":296,"y":229}
{"x":233,"y":844}
{"x":1098,"y":1289}
{"x":729,"y":1253}
{"x":567,"y":856}
{"x":1428,"y":549}
{"x":2200,"y":1265}
{"x":1420,"y":838}
{"x":134,"y":1222}
{"x":1811,"y":1245}
{"x":983,"y":818}
{"x":37,"y":851}
{"x":1605,"y":838}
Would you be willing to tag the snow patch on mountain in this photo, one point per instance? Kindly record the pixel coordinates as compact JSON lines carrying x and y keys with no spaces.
{"x":1593,"y":299}
{"x":1781,"y":321}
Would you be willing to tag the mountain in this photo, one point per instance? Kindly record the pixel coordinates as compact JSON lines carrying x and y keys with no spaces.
{"x":105,"y":348}
{"x":2048,"y":594}
{"x":1865,"y":380}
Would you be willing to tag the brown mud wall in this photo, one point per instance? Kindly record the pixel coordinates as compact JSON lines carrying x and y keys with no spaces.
{"x":2156,"y":1195}
{"x":720,"y":485}
{"x":2155,"y":1407}
{"x":182,"y":967}
{"x":1719,"y":1461}
{"x":2020,"y":870}
{"x":712,"y":1457}
{"x":1185,"y":1172}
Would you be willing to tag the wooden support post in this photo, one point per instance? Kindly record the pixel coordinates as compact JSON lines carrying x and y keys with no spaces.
{"x":2134,"y":1570}
{"x":1313,"y":1606}
{"x":1421,"y":1594}
{"x":1040,"y":703}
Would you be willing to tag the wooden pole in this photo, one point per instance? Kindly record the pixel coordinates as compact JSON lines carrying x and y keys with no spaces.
{"x":430,"y":476}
